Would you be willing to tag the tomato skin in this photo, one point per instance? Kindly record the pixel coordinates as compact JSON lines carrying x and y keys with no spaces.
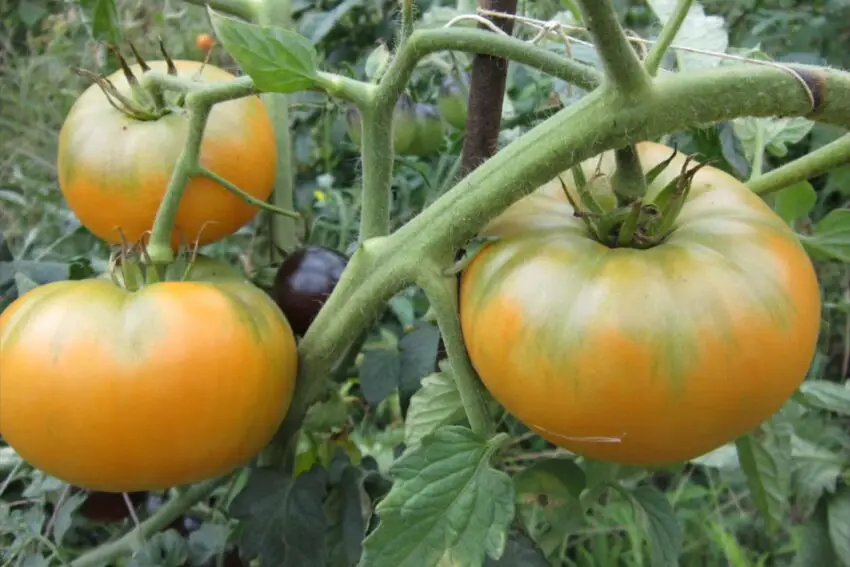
{"x":642,"y":357}
{"x":123,"y":392}
{"x":429,"y":131}
{"x":452,"y":102}
{"x":204,"y":41}
{"x":303,"y":283}
{"x":114,"y":170}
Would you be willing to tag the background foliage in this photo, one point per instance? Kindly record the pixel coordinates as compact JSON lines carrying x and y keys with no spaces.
{"x":387,"y":397}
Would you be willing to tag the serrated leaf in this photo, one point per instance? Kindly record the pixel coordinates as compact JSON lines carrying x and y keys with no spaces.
{"x":345,"y":509}
{"x":838,"y":518}
{"x":815,"y":471}
{"x":418,"y":355}
{"x":766,"y":471}
{"x":826,"y":395}
{"x":662,"y":528}
{"x":380,"y":373}
{"x":776,"y":134}
{"x":163,"y":549}
{"x":520,"y":551}
{"x":283,"y":521}
{"x":434,"y":405}
{"x":277,"y":59}
{"x":795,"y":201}
{"x":65,"y":515}
{"x":699,"y":30}
{"x":448,"y":506}
{"x":831,"y":238}
{"x":207,"y":542}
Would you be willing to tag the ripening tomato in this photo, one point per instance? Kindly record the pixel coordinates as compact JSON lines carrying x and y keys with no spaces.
{"x":642,"y":357}
{"x":204,"y":41}
{"x":114,"y":169}
{"x":122,"y":391}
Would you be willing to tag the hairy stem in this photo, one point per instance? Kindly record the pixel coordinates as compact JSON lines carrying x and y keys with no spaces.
{"x":628,"y":180}
{"x":172,"y":510}
{"x":441,"y":291}
{"x":486,"y":96}
{"x":834,"y":154}
{"x":622,"y":66}
{"x":666,"y":37}
{"x":245,"y":9}
{"x":378,"y":154}
{"x":250,"y":199}
{"x":758,"y":154}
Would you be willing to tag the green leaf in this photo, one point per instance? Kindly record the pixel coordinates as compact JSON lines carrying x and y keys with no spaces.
{"x":208,"y":541}
{"x":699,"y":30}
{"x":283,"y":521}
{"x":520,"y":551}
{"x":765,"y":463}
{"x":418,"y":355}
{"x":24,"y":284}
{"x":377,"y":60}
{"x":345,"y":510}
{"x":326,"y":414}
{"x":831,"y":238}
{"x":323,"y":22}
{"x":163,"y":549}
{"x":826,"y":395}
{"x":815,"y":471}
{"x":41,"y":272}
{"x":658,"y":520}
{"x":33,"y":559}
{"x":30,"y":12}
{"x":795,"y":201}
{"x":838,"y":518}
{"x":815,"y":545}
{"x":776,"y":134}
{"x":447,"y":505}
{"x":436,"y":404}
{"x":558,"y":478}
{"x":380,"y":373}
{"x":277,"y":59}
{"x":65,"y":515}
{"x":104,"y":20}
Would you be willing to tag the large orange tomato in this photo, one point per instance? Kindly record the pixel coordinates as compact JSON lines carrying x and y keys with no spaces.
{"x":114,"y":169}
{"x":642,"y":357}
{"x":122,"y":391}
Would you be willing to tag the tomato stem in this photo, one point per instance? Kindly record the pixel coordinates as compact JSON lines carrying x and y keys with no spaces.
{"x":628,"y":180}
{"x":817,"y":162}
{"x":251,"y":200}
{"x":653,"y":59}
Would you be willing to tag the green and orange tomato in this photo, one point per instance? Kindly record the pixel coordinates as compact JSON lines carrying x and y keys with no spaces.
{"x":114,"y":168}
{"x":120,"y":391}
{"x":642,"y":357}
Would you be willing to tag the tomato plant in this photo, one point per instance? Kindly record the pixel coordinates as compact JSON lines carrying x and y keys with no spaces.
{"x":204,"y":41}
{"x":114,"y":165}
{"x":642,"y":356}
{"x":137,"y":392}
{"x":303,"y":283}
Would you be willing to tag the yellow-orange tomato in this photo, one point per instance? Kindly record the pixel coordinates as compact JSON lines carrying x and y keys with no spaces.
{"x":123,"y":391}
{"x":642,"y":357}
{"x":114,"y":169}
{"x":204,"y":41}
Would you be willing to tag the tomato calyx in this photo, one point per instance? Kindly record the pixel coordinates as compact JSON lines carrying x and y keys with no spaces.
{"x":641,"y":223}
{"x":146,"y":103}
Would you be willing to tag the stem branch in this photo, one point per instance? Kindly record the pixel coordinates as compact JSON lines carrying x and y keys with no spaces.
{"x":250,"y":199}
{"x":666,"y":37}
{"x":622,"y":66}
{"x":818,"y":162}
{"x":245,"y":9}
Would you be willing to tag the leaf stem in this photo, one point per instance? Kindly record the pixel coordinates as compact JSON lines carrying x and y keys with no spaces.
{"x":622,"y":66}
{"x":441,"y":291}
{"x":172,"y":510}
{"x":250,"y":199}
{"x":758,"y":152}
{"x":668,"y":33}
{"x":818,"y":162}
{"x":245,"y":9}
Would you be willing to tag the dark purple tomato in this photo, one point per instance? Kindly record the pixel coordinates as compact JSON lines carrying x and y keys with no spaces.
{"x":303,"y":283}
{"x":109,"y":506}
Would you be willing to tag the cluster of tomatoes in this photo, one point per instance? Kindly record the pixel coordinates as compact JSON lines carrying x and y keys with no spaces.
{"x":100,"y":374}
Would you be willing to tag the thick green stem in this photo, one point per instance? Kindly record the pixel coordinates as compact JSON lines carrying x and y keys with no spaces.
{"x":245,"y":9}
{"x":172,"y":510}
{"x":283,"y":229}
{"x":378,"y":154}
{"x":622,"y":66}
{"x":628,"y":180}
{"x":835,"y":154}
{"x":666,"y":37}
{"x":441,"y":291}
{"x":251,"y":200}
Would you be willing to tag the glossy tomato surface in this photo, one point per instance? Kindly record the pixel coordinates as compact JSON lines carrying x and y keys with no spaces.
{"x":114,"y":169}
{"x":304,"y":282}
{"x":642,"y":357}
{"x":117,"y":391}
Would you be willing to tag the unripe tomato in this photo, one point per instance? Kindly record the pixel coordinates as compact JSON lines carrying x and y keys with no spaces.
{"x":642,"y":357}
{"x":304,"y":282}
{"x":429,"y":131}
{"x":204,"y":41}
{"x":452,"y":103}
{"x":404,"y":124}
{"x":123,"y":391}
{"x":114,"y":169}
